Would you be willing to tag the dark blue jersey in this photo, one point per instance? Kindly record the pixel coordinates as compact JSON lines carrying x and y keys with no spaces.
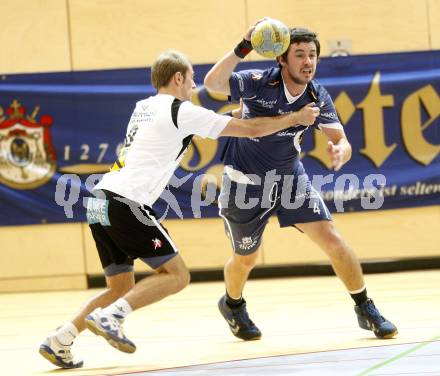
{"x":263,"y":94}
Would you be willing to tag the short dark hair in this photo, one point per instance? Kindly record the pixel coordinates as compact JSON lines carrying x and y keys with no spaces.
{"x":300,"y":35}
{"x":166,"y":65}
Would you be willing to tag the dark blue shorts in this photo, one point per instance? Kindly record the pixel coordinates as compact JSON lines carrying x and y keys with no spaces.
{"x":246,"y":208}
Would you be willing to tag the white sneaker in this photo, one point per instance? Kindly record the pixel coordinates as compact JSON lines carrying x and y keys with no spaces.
{"x":59,"y":354}
{"x":110,"y":327}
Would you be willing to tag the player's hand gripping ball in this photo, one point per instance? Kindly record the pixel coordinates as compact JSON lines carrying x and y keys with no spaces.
{"x":270,"y":38}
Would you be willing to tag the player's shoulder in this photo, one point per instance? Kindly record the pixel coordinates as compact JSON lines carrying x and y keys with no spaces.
{"x":264,"y":77}
{"x":318,"y":89}
{"x":186,"y":105}
{"x":143,"y":103}
{"x":162,"y":106}
{"x":156,"y":99}
{"x":271,"y":77}
{"x":188,"y":110}
{"x":147,"y":104}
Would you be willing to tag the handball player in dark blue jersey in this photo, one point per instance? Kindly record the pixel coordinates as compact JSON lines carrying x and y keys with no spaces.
{"x":264,"y":176}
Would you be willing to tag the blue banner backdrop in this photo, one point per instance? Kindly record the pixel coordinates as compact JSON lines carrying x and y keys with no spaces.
{"x":60,"y":131}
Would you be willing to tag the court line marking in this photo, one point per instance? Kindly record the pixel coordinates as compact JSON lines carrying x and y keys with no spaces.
{"x":188,"y":366}
{"x":398,"y":356}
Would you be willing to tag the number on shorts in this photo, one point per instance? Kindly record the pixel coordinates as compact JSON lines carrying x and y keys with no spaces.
{"x":316,"y":208}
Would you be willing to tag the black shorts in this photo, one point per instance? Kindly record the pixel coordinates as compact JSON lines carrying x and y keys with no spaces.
{"x":125,"y":230}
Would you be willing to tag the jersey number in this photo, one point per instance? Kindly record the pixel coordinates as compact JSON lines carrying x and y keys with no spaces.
{"x":120,"y":162}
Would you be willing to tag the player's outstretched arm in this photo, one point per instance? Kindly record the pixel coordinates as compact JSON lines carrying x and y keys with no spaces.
{"x":260,"y":126}
{"x":264,"y":126}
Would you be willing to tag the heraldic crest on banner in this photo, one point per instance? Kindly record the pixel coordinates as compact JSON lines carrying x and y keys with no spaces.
{"x":27,"y":156}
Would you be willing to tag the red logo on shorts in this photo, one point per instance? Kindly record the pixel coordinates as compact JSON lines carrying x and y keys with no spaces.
{"x":157,"y":243}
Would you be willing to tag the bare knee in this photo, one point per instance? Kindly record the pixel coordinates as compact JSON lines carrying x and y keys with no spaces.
{"x":247,"y":262}
{"x":179,"y":273}
{"x":178,"y":279}
{"x":182,"y":279}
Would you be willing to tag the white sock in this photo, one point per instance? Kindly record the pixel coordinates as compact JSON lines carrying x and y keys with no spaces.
{"x":119,"y":308}
{"x":66,"y":334}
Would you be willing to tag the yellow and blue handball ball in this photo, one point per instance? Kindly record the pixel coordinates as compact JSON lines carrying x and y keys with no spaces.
{"x":270,"y":38}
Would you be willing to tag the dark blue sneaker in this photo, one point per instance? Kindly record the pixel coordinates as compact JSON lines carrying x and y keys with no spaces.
{"x":369,"y":318}
{"x":109,"y":327}
{"x":59,"y":354}
{"x":239,"y":322}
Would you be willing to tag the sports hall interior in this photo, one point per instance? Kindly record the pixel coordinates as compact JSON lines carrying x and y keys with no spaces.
{"x":77,"y":35}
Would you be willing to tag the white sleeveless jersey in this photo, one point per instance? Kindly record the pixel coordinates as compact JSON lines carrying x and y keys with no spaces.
{"x":159,"y":132}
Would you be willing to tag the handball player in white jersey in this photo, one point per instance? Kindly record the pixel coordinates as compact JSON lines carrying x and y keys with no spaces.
{"x":121,"y":220}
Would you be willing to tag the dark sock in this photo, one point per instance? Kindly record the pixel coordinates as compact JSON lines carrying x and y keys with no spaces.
{"x":360,"y":297}
{"x":234,"y":303}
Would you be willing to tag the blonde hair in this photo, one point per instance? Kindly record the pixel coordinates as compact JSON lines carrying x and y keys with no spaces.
{"x":166,"y":65}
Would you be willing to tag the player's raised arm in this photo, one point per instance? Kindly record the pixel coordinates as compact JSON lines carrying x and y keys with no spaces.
{"x":217,"y":79}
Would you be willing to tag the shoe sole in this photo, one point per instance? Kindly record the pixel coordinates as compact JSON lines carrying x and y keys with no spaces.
{"x":388,"y":336}
{"x":51,"y":357}
{"x":363,"y":324}
{"x":95,"y":329}
{"x":254,"y":338}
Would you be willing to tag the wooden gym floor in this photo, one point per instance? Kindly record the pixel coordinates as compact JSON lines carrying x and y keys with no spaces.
{"x":308,"y":325}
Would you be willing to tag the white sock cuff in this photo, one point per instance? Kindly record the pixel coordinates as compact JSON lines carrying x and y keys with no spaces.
{"x":358,"y":291}
{"x":124,"y":306}
{"x":66,"y":334}
{"x":71,"y":328}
